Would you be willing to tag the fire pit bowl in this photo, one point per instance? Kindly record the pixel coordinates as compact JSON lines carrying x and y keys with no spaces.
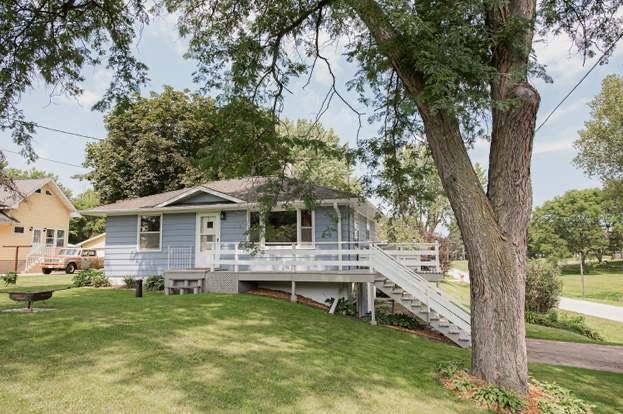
{"x":30,"y":297}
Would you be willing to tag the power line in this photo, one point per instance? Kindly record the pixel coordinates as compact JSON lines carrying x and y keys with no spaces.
{"x":47,"y":159}
{"x":579,"y":83}
{"x":62,"y":131}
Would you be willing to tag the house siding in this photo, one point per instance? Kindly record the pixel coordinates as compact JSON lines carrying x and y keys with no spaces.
{"x":234,"y":227}
{"x":178,"y":230}
{"x":122,"y":256}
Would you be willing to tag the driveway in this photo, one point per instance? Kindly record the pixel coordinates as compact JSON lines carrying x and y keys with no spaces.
{"x":591,"y":356}
{"x":601,"y":310}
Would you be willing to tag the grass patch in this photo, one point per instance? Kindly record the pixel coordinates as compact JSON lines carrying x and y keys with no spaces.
{"x":459,"y":264}
{"x":612,"y":331}
{"x":102,"y":350}
{"x":603,"y":282}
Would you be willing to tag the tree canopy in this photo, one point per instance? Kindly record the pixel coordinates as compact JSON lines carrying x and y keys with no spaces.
{"x":177,"y":139}
{"x":576,"y":222}
{"x":600,"y":146}
{"x":85,"y":227}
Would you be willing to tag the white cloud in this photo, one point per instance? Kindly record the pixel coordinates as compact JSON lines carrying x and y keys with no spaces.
{"x":164,"y":28}
{"x":556,"y":146}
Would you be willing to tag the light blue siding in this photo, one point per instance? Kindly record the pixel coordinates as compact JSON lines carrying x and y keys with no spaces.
{"x":179,"y":230}
{"x":122,"y":256}
{"x":234,"y":227}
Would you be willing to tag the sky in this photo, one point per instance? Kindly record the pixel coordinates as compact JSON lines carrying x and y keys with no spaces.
{"x":161,"y":48}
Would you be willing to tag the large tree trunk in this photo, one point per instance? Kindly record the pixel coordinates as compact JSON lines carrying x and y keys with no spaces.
{"x":496,"y":263}
{"x":494,"y":226}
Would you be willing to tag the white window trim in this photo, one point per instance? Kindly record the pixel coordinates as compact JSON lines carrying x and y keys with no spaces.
{"x":138,"y":232}
{"x":299,"y":245}
{"x":299,"y":229}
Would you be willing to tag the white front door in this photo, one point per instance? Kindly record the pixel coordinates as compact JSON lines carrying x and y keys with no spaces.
{"x":208,"y":238}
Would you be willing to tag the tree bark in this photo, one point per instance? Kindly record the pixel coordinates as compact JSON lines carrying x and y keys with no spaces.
{"x":495,"y":264}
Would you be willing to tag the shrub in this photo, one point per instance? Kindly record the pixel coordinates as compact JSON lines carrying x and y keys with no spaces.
{"x":154,"y":283}
{"x":9,"y":278}
{"x":129,"y":282}
{"x":90,"y":277}
{"x":447,"y":369}
{"x":561,"y":400}
{"x":543,"y":286}
{"x":500,"y":399}
{"x":398,"y":319}
{"x":553,"y":319}
{"x":344,"y":306}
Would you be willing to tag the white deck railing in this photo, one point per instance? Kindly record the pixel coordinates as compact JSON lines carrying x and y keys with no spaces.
{"x":291,"y":257}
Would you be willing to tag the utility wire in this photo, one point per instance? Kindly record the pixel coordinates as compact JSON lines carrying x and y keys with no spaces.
{"x":46,"y":159}
{"x":62,"y":131}
{"x":579,"y":82}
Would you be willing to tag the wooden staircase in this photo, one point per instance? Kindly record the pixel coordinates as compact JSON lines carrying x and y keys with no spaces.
{"x":421,"y":298}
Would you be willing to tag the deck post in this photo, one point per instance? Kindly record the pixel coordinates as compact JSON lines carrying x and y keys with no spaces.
{"x":293,"y":292}
{"x":236,"y":267}
{"x":371,"y":297}
{"x":339,"y":235}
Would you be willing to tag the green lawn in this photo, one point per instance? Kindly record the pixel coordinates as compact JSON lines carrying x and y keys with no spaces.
{"x":612,"y":331}
{"x":603,"y":283}
{"x":460,"y":264}
{"x":102,"y":350}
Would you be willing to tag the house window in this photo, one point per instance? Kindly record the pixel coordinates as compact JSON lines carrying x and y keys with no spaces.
{"x":149,"y":232}
{"x":60,"y":238}
{"x":307,"y":228}
{"x":38,"y":191}
{"x":36,"y":237}
{"x":49,"y":237}
{"x":254,"y":227}
{"x":281,"y":228}
{"x":47,"y":192}
{"x":19,"y":230}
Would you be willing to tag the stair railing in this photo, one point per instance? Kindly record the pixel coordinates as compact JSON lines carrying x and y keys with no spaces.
{"x":420,"y":288}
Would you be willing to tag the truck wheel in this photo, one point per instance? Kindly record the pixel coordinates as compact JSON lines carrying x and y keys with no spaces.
{"x":46,"y":271}
{"x":71,"y":267}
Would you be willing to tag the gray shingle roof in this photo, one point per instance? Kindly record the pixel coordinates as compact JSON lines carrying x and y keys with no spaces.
{"x":247,"y":189}
{"x":10,"y":199}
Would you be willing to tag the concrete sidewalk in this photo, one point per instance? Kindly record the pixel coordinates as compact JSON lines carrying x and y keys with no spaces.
{"x":600,"y":310}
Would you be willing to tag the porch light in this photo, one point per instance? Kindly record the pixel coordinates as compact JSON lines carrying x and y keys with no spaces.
{"x":223,"y":215}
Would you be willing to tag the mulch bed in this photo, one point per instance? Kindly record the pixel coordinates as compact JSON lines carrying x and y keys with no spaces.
{"x":535,"y":393}
{"x":278,"y":294}
{"x":281,"y":295}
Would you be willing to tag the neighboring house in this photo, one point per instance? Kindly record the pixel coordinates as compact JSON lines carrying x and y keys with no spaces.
{"x":98,"y":243}
{"x":203,"y":239}
{"x":33,"y":219}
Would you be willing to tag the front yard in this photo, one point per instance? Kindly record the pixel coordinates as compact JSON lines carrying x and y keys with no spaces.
{"x":612,"y":331}
{"x":102,"y":350}
{"x":603,"y":283}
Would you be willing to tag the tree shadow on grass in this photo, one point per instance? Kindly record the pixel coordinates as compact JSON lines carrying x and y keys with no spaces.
{"x":227,"y":353}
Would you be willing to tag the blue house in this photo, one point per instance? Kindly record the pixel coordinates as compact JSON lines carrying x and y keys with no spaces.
{"x":212,"y":238}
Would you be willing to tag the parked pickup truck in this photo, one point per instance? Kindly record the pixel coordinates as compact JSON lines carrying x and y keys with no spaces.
{"x":72,"y":259}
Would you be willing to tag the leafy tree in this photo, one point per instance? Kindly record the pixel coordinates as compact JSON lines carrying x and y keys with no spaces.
{"x":82,"y":228}
{"x":574,"y":221}
{"x":427,"y":68}
{"x":176,"y":139}
{"x":600,"y":146}
{"x":316,"y":155}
